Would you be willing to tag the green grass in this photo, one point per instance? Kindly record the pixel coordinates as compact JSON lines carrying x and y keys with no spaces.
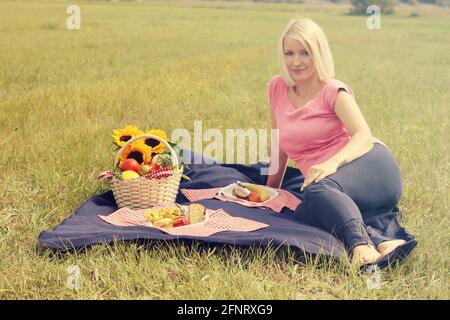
{"x":166,"y":64}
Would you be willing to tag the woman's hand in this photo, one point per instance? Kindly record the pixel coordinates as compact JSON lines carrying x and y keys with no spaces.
{"x":318,"y":172}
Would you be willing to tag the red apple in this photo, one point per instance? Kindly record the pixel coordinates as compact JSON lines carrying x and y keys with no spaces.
{"x":155,"y":167}
{"x":130,"y":164}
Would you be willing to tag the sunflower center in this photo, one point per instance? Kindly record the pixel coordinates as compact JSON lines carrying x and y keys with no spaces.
{"x":136,"y":155}
{"x":151,"y":142}
{"x":125,"y":138}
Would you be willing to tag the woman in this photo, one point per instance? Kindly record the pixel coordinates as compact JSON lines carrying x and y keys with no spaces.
{"x":349,"y":174}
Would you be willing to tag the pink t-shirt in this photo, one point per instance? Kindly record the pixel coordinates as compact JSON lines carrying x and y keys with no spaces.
{"x":313,"y":133}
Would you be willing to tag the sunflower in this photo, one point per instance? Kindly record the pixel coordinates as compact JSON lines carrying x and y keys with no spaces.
{"x":137,"y":150}
{"x":123,"y":135}
{"x":155,"y":145}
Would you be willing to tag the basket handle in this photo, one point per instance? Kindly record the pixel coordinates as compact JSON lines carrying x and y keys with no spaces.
{"x":147,"y":135}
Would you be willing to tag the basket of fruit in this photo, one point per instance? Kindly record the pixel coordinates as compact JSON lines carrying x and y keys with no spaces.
{"x":142,"y":184}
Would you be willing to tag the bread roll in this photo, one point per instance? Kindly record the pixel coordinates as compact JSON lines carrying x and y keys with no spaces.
{"x":196,"y":213}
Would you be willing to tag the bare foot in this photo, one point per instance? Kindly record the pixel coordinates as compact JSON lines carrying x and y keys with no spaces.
{"x":388,"y":246}
{"x":365,"y":254}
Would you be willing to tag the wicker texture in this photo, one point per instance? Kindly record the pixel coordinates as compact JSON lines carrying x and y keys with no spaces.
{"x":144,"y":193}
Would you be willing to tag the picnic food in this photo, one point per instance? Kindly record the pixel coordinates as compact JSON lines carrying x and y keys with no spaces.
{"x":154,"y":167}
{"x":162,"y":159}
{"x":176,"y":217}
{"x":241,"y":192}
{"x":150,"y":154}
{"x":130,"y":164}
{"x":254,"y":197}
{"x":196,"y":213}
{"x":163,"y":217}
{"x":250,"y":192}
{"x":129,"y":175}
{"x":181,"y":221}
{"x":261,"y":191}
{"x":145,"y":169}
{"x":156,"y":182}
{"x":163,"y":223}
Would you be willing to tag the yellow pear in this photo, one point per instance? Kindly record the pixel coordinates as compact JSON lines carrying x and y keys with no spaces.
{"x":130,"y":174}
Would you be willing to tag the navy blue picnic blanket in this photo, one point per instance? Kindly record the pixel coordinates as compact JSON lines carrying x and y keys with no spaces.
{"x":84,"y":228}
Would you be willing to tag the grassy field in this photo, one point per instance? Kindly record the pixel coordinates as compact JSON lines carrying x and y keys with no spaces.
{"x":166,"y":64}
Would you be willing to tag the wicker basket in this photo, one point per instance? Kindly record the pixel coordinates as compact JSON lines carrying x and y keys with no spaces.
{"x":144,"y":193}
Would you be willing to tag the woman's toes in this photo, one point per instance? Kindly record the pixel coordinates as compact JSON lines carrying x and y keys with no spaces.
{"x":365,"y":254}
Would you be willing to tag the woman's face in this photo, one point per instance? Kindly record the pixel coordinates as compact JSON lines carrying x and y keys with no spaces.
{"x":298,"y":60}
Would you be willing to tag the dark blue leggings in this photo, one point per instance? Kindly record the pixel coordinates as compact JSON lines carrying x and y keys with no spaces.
{"x":341,"y":202}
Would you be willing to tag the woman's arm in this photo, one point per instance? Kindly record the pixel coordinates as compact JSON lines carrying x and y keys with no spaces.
{"x":275,"y":179}
{"x":278,"y":160}
{"x":362,"y":140}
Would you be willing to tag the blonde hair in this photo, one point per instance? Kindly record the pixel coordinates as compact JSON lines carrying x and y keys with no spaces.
{"x":312,"y":37}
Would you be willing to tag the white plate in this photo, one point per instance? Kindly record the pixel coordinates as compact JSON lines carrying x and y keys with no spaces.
{"x":227,"y":192}
{"x":149,"y":224}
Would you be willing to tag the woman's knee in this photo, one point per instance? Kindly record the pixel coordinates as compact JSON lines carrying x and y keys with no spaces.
{"x":319,"y":199}
{"x":320,"y":188}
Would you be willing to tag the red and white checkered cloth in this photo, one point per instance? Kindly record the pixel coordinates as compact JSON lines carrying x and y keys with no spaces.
{"x":219,"y":221}
{"x":284,"y":198}
{"x":162,"y":173}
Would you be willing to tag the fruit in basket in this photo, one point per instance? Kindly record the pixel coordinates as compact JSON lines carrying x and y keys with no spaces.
{"x":130,"y":164}
{"x":163,"y":160}
{"x":258,"y":189}
{"x":130,"y":175}
{"x":145,"y":169}
{"x":154,"y":167}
